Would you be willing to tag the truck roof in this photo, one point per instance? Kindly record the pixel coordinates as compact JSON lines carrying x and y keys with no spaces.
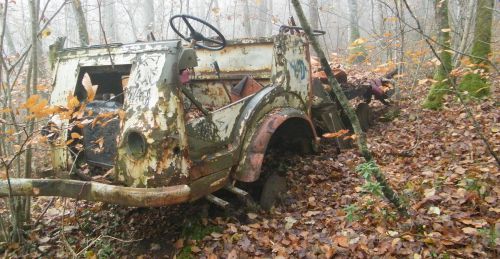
{"x":118,"y":48}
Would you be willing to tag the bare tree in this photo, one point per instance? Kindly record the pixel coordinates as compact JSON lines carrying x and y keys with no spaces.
{"x":353,"y":21}
{"x":263,"y":20}
{"x":313,"y":13}
{"x":246,"y":20}
{"x":130,"y":16}
{"x":148,"y":18}
{"x":11,"y":49}
{"x":474,"y":83}
{"x":270,"y":22}
{"x":439,"y":89}
{"x":81,"y":22}
{"x":357,"y":51}
{"x":108,"y":20}
{"x":466,"y":33}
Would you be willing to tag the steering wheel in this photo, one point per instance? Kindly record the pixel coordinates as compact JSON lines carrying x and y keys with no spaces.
{"x":197,"y":37}
{"x":286,"y":28}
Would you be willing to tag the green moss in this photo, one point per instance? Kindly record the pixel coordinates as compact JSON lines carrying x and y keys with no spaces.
{"x":195,"y":230}
{"x":481,"y":47}
{"x":475,"y":85}
{"x":434,"y":100}
{"x":357,"y":54}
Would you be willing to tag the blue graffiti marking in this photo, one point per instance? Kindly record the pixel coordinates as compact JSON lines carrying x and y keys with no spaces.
{"x":299,"y":69}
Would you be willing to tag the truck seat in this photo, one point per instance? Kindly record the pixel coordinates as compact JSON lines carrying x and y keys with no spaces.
{"x":246,"y":87}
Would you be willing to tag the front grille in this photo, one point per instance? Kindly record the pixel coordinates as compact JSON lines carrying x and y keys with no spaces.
{"x":99,"y":140}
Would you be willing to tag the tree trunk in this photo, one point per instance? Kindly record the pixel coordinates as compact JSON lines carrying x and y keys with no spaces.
{"x":353,"y":21}
{"x":434,"y":99}
{"x":473,"y":83}
{"x":217,"y":16}
{"x":357,"y":52}
{"x":22,"y":205}
{"x":130,"y":16}
{"x":481,"y":47}
{"x":81,"y":23}
{"x":313,"y":14}
{"x":108,"y":20}
{"x":263,"y":20}
{"x":11,"y":49}
{"x":148,"y":19}
{"x":270,"y":22}
{"x":246,"y":20}
{"x":465,"y":36}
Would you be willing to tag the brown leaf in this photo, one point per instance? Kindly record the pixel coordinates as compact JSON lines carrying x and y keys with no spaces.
{"x":342,"y":241}
{"x":91,"y":89}
{"x":336,"y":134}
{"x":195,"y":249}
{"x":232,"y":255}
{"x":469,"y":231}
{"x":179,"y":244}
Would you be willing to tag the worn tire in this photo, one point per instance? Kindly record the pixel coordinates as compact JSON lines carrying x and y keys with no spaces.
{"x":274,"y":187}
{"x":364,"y":113}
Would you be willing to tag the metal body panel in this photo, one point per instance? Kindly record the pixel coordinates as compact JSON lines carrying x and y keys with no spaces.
{"x":195,"y":158}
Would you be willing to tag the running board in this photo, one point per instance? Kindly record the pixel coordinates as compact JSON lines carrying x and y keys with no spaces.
{"x":235,"y":190}
{"x":217,"y":201}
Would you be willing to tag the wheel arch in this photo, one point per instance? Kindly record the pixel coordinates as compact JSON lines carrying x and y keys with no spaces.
{"x":284,"y":122}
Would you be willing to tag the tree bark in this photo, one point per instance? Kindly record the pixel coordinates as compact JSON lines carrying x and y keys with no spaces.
{"x":481,"y":47}
{"x":344,"y":102}
{"x":148,"y":17}
{"x":108,"y":20}
{"x":133,"y":27}
{"x":246,"y":20}
{"x":270,"y":22}
{"x":217,"y":16}
{"x":465,"y":36}
{"x":357,"y":52}
{"x":434,"y":99}
{"x":313,"y":13}
{"x":474,"y":84}
{"x":11,"y":49}
{"x":353,"y":21}
{"x":263,"y":19}
{"x":81,"y":22}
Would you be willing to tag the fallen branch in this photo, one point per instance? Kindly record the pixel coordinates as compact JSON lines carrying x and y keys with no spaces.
{"x":344,"y":102}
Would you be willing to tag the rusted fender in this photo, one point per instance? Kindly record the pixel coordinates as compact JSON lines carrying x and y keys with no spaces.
{"x":93,"y":191}
{"x":250,"y":165}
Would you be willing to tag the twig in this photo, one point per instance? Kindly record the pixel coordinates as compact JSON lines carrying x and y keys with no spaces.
{"x":4,"y":25}
{"x":89,"y":245}
{"x":429,"y":39}
{"x":44,"y":9}
{"x":65,"y":241}
{"x":121,"y":240}
{"x":104,"y":35}
{"x":51,"y":18}
{"x":105,"y":236}
{"x":44,"y":211}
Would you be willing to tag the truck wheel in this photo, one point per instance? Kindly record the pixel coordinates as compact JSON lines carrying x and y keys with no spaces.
{"x":364,"y":115}
{"x":274,"y":187}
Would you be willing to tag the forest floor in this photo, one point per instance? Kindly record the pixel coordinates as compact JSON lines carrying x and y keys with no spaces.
{"x":435,"y":160}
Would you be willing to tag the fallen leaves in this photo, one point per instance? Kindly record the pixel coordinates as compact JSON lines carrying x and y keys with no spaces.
{"x":342,"y":241}
{"x":290,"y":221}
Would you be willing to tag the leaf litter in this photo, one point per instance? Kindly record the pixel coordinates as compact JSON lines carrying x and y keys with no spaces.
{"x":435,"y":160}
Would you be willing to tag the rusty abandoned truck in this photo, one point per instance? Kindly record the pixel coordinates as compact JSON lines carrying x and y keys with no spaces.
{"x":186,"y":120}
